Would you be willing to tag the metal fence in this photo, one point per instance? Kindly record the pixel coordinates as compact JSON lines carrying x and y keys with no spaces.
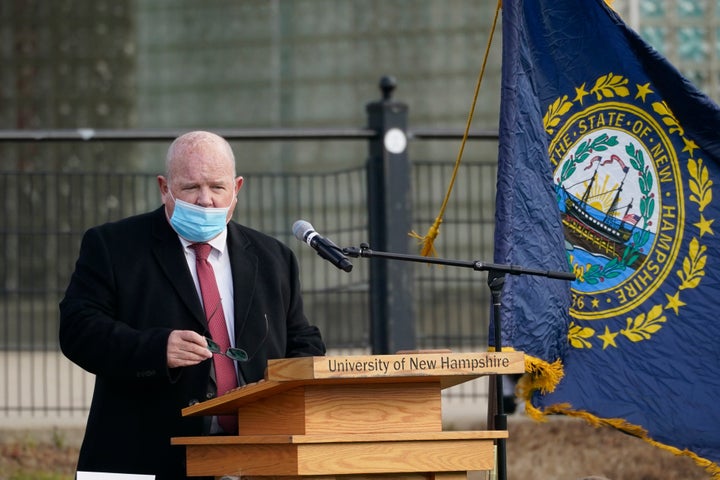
{"x":43,"y":223}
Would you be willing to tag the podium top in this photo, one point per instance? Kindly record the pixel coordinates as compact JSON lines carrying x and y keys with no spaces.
{"x":444,"y":368}
{"x":415,"y":364}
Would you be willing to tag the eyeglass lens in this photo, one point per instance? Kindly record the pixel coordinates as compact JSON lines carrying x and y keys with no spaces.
{"x":237,"y":354}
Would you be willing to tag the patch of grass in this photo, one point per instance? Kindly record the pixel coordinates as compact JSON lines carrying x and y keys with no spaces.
{"x":28,"y":459}
{"x":39,"y":476}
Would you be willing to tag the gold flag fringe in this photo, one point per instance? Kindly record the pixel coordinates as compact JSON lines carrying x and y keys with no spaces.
{"x":542,"y":376}
{"x":539,"y":376}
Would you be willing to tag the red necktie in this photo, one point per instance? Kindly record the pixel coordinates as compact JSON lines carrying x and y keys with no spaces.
{"x":225,"y":375}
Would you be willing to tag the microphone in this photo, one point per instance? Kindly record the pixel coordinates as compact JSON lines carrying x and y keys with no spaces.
{"x":305,"y":232}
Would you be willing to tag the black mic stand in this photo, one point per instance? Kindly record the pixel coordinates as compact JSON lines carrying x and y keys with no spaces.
{"x":496,"y":281}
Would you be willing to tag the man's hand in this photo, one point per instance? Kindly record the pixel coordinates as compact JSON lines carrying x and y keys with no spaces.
{"x":186,"y":348}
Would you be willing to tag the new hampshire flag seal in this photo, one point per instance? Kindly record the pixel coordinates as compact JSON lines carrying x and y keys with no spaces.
{"x":617,"y":153}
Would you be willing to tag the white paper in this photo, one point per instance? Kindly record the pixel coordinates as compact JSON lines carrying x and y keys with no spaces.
{"x":112,"y":476}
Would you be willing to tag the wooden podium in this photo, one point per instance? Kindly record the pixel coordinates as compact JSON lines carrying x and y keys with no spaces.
{"x":356,"y":417}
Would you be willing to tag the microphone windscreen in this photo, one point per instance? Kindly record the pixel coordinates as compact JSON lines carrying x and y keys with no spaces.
{"x":301,"y":228}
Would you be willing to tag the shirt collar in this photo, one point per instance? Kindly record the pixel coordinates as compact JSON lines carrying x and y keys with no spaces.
{"x":218,"y":243}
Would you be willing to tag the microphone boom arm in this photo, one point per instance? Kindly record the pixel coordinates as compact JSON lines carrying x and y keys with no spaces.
{"x":365,"y":252}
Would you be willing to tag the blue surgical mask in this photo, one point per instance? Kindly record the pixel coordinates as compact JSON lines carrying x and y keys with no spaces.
{"x":196,"y":223}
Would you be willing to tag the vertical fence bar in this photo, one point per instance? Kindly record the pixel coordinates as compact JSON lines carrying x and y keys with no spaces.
{"x":390,"y":210}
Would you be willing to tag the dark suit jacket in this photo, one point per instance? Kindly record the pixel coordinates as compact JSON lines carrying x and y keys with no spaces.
{"x":132,"y":287}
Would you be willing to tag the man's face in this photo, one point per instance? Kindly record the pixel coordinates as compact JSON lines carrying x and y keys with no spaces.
{"x":201,"y":174}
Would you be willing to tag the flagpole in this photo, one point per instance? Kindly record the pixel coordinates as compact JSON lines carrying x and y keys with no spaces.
{"x":495,"y":281}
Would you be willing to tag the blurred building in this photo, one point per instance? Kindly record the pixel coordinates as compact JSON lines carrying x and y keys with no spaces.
{"x":227,"y":64}
{"x":274,"y":63}
{"x":686,"y":32}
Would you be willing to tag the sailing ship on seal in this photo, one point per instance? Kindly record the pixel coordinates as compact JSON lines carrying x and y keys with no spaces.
{"x":600,"y":231}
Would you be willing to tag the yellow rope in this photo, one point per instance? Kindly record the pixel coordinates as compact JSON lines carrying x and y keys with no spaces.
{"x":427,"y":241}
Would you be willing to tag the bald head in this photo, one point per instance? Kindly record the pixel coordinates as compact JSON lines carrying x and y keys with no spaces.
{"x":192,"y":144}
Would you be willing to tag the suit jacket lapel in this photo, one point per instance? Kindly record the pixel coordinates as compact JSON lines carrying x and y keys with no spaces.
{"x":244,"y":264}
{"x":171,"y":258}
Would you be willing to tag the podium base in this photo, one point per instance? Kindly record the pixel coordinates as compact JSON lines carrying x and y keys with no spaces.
{"x":414,"y":456}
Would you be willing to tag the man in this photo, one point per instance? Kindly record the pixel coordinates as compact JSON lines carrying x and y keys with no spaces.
{"x":133,"y":313}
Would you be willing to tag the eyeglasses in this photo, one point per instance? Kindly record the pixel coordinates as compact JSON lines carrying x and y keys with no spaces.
{"x":237,"y":354}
